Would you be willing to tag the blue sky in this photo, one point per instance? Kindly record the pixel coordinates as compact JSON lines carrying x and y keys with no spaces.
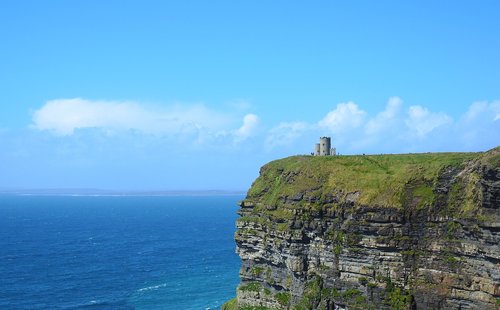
{"x":199,"y":94}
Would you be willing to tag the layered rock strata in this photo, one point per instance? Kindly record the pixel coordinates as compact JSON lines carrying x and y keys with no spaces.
{"x":417,"y":231}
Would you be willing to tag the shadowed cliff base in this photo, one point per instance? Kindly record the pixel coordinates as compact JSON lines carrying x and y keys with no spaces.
{"x":412,"y":231}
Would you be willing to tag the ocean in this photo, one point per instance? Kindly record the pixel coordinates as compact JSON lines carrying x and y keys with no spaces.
{"x":126,"y":252}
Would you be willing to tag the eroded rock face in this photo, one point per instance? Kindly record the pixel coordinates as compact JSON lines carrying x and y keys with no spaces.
{"x":310,"y":241}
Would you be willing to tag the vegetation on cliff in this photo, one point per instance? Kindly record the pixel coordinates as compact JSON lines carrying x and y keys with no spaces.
{"x":399,"y":181}
{"x":379,"y":179}
{"x":372,"y":232}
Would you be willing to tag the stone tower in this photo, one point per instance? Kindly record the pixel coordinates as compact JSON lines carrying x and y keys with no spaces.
{"x":324,"y":146}
{"x":316,"y":149}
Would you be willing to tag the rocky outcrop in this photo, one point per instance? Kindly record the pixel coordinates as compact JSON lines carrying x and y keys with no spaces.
{"x":419,"y":231}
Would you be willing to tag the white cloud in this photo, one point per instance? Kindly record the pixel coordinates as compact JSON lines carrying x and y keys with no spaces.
{"x":475,"y":109}
{"x":394,"y":129}
{"x":421,"y":121}
{"x":285,"y":134}
{"x":64,"y":116}
{"x":345,"y":116}
{"x":250,"y":122}
{"x":386,"y":118}
{"x":479,"y":125}
{"x":482,"y":110}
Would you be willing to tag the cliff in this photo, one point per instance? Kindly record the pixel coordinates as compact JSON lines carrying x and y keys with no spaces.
{"x":415,"y":231}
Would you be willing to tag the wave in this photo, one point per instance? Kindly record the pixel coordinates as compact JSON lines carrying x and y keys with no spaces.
{"x":90,"y":304}
{"x":101,"y":304}
{"x":154,"y":287}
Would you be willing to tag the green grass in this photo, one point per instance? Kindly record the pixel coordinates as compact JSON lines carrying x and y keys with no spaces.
{"x":256,"y":271}
{"x":282,"y":227}
{"x":230,"y":305}
{"x":491,"y":158}
{"x":382,"y":180}
{"x":398,"y":298}
{"x":451,"y":260}
{"x":283,"y":298}
{"x":425,"y":195}
{"x":372,"y":285}
{"x":251,"y":287}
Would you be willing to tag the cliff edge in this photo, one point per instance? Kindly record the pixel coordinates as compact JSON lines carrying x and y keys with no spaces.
{"x":414,"y":231}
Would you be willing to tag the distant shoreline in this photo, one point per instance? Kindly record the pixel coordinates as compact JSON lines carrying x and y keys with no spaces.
{"x":115,"y":193}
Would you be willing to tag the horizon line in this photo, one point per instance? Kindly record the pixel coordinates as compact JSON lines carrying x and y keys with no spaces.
{"x":114,"y":192}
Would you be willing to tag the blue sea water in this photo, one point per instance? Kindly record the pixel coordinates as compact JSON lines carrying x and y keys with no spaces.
{"x":60,"y":252}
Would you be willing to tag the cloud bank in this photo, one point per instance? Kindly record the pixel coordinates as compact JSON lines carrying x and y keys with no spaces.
{"x":396,"y":128}
{"x":64,"y":116}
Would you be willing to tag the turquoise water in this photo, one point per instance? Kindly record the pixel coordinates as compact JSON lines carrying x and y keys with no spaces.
{"x":117,"y":252}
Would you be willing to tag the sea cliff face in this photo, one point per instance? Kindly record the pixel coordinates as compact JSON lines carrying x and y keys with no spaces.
{"x":416,"y":231}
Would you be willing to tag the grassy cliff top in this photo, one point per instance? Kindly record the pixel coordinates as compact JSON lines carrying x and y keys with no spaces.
{"x":382,"y":180}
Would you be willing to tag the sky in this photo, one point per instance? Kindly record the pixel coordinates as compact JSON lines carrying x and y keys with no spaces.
{"x":198,"y":95}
